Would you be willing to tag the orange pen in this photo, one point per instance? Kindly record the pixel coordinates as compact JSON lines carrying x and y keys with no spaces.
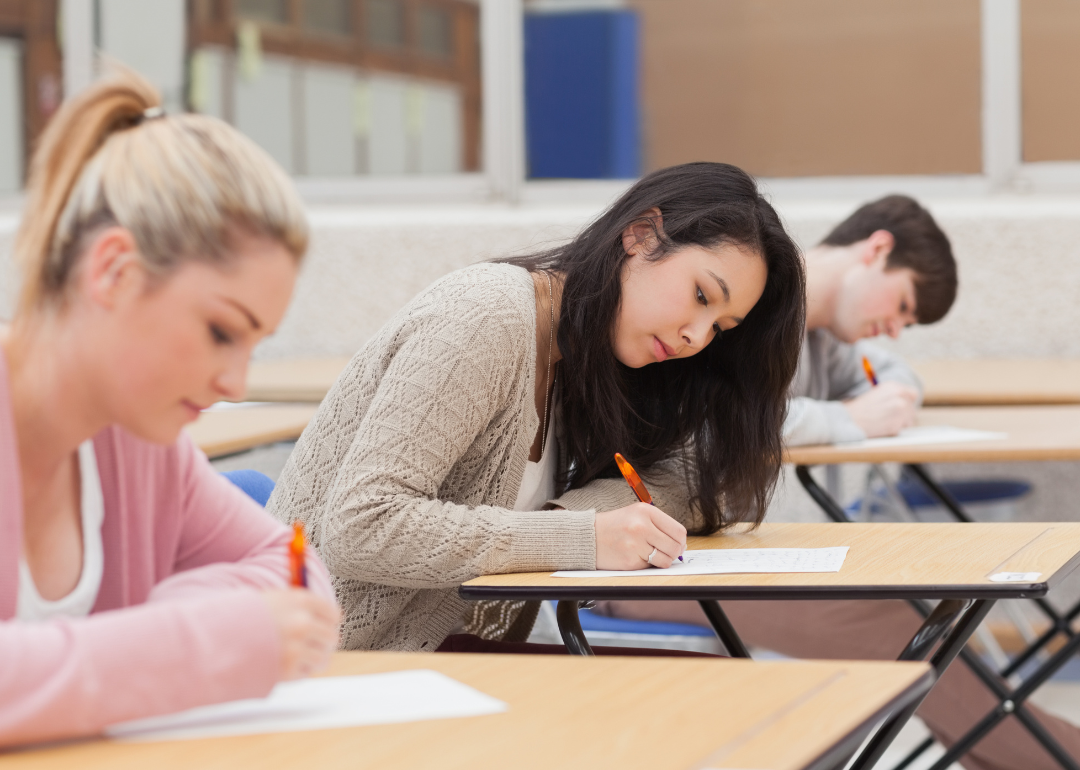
{"x":297,"y":565}
{"x":634,"y":480}
{"x":869,"y":369}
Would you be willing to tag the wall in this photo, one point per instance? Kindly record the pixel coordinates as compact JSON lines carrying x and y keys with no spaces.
{"x":805,"y":87}
{"x":1049,"y":69}
{"x":1019,"y":275}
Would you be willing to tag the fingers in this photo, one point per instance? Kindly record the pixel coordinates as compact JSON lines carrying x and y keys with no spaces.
{"x":625,"y":538}
{"x":667,"y":549}
{"x":668,"y":526}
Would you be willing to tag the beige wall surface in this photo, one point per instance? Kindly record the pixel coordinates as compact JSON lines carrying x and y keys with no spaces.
{"x":1019,"y":271}
{"x":813,"y":87}
{"x":1050,"y":72}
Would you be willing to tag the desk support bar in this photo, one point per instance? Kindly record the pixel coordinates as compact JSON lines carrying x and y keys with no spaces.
{"x":938,"y":491}
{"x":724,"y":630}
{"x":570,"y":628}
{"x":821,"y":497}
{"x":1059,"y":623}
{"x":950,"y":647}
{"x":935,"y":626}
{"x":1012,"y":703}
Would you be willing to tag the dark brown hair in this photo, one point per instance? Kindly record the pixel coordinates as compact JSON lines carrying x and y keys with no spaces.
{"x":919,"y":245}
{"x":721,"y":409}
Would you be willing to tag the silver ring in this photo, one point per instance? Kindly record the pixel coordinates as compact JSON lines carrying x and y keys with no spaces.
{"x":649,"y":560}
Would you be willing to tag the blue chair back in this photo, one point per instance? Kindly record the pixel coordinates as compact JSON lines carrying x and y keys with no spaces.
{"x":258,"y":486}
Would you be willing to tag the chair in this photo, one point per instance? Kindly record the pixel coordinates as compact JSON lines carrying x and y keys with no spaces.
{"x":258,"y":486}
{"x":618,"y":632}
{"x":909,"y":499}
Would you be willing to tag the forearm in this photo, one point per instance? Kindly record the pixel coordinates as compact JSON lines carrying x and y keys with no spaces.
{"x":810,"y":421}
{"x":432,"y":544}
{"x":73,"y":677}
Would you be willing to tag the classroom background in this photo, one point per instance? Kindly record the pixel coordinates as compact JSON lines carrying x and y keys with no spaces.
{"x":425,"y":135}
{"x":429,"y":134}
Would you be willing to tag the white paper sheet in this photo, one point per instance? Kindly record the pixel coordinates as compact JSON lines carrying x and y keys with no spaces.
{"x":319,"y":704}
{"x":927,"y":434}
{"x":728,"y":561}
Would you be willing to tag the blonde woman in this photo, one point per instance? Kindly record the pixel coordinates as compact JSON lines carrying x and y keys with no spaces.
{"x":156,"y":251}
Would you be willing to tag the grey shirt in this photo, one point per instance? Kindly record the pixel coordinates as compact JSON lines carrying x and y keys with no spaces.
{"x":831,"y":371}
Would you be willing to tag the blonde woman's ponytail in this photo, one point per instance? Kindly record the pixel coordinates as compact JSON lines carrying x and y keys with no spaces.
{"x":181,"y":184}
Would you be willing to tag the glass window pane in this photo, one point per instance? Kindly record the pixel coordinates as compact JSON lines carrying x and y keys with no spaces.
{"x":385,"y":23}
{"x":275,"y":11}
{"x":330,"y":16}
{"x":435,"y":32}
{"x":326,"y":108}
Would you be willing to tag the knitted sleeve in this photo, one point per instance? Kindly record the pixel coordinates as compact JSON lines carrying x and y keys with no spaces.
{"x":445,"y":373}
{"x":666,"y":481}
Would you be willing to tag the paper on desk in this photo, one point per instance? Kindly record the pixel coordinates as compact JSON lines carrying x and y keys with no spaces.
{"x":927,"y":434}
{"x":729,"y":561}
{"x":319,"y":704}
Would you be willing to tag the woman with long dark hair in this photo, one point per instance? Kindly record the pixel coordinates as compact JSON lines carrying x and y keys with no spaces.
{"x":475,"y":433}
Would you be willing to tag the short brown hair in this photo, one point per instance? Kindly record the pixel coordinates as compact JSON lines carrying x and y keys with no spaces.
{"x":920,"y":245}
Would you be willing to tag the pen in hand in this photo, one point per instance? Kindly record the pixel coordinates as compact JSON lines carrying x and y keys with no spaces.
{"x":297,"y":562}
{"x":869,"y":369}
{"x":634,"y":480}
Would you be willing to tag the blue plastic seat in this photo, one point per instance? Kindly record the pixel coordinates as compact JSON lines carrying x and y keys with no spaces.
{"x":964,"y":492}
{"x":593,"y":622}
{"x":258,"y":486}
{"x":973,"y":492}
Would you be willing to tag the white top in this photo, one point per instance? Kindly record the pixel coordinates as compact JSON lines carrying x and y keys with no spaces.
{"x":81,"y":600}
{"x":538,"y":483}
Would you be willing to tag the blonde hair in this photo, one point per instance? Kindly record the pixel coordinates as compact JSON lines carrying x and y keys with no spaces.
{"x":181,"y":184}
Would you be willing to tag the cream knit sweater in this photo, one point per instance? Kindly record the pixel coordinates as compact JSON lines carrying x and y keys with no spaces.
{"x":406,"y":477}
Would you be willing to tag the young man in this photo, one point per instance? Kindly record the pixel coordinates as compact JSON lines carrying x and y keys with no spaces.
{"x":886,"y":267}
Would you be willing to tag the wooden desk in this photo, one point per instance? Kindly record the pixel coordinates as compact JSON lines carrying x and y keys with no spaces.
{"x":951,"y":562}
{"x":569,"y":713}
{"x":223,"y":432}
{"x":1035,"y":433}
{"x":1000,"y":381}
{"x":306,"y":379}
{"x":886,"y":561}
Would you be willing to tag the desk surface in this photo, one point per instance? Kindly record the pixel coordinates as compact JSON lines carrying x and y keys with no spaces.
{"x":569,"y":713}
{"x":305,"y":379}
{"x":222,"y":432}
{"x":1034,"y":433}
{"x":1000,"y":381}
{"x":901,"y":561}
{"x":979,"y":382}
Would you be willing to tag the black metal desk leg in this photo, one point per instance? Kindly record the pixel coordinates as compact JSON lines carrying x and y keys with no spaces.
{"x":936,"y":624}
{"x":821,"y":497}
{"x":724,"y":630}
{"x":1013,"y":704}
{"x":950,"y":647}
{"x":570,"y":628}
{"x":938,"y":491}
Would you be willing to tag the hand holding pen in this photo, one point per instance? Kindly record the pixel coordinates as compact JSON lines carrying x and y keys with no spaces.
{"x":306,"y":623}
{"x":884,"y":410}
{"x":636,"y":536}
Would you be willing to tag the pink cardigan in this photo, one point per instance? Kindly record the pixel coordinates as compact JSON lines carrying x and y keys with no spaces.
{"x":178,"y":621}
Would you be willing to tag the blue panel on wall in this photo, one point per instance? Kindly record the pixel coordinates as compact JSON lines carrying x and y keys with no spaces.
{"x":581,"y":95}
